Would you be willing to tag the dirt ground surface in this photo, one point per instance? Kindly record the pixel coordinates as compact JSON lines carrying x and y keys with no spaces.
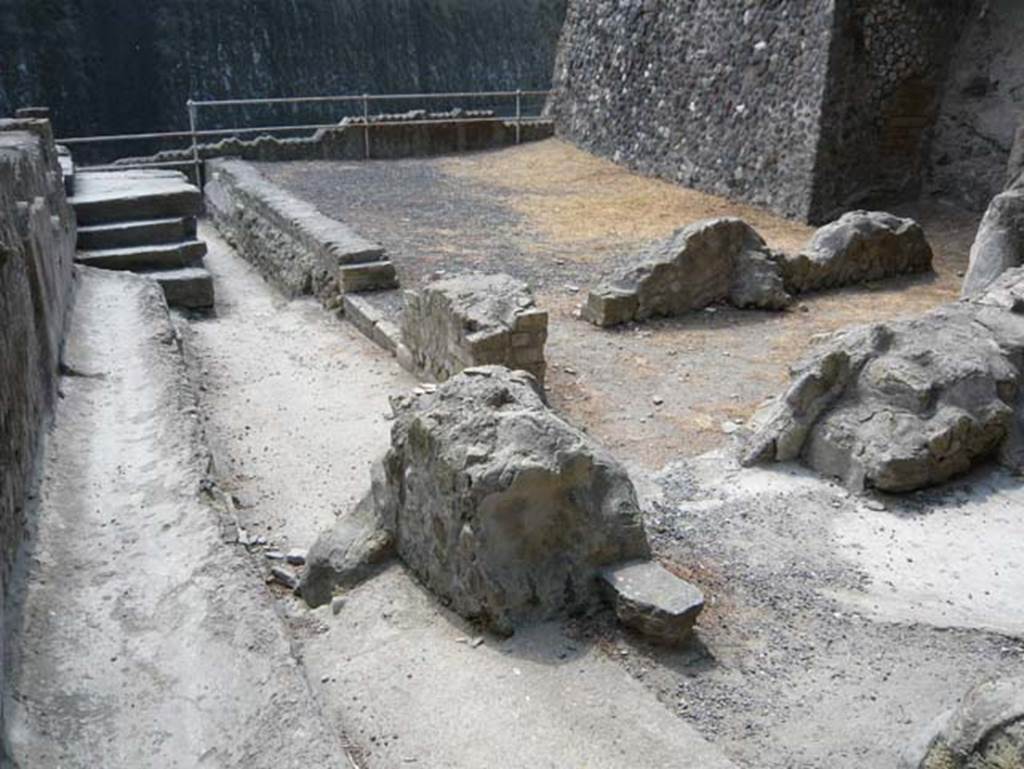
{"x":837,"y":627}
{"x":562,"y":219}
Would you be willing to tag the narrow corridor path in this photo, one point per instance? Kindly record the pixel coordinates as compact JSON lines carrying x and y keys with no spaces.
{"x":142,"y":638}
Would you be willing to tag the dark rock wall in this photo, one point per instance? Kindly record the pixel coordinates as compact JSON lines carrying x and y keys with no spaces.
{"x":108,"y":66}
{"x":37,"y":236}
{"x":887,"y":73}
{"x":982,"y":106}
{"x":721,"y":95}
{"x":808,"y":107}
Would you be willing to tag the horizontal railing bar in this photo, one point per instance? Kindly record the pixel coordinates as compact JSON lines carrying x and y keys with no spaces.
{"x":308,"y":127}
{"x":366,"y":97}
{"x":129,"y":166}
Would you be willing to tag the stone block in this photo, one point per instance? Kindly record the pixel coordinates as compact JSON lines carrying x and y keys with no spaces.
{"x":610,"y":307}
{"x":367,"y":276}
{"x":472,"y":320}
{"x":653,"y":601}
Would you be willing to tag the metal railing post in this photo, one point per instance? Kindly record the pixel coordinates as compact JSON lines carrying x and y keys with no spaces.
{"x":519,"y":115}
{"x":196,"y":165}
{"x":366,"y":124}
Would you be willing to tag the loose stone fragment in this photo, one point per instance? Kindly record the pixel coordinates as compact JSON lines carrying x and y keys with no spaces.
{"x":652,"y":600}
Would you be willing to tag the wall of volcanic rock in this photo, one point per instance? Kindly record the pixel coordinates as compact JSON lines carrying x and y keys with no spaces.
{"x":808,"y":107}
{"x":887,"y":73}
{"x":111,"y":66}
{"x":721,"y":95}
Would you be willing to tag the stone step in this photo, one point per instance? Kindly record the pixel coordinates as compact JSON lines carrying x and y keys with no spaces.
{"x":140,"y":258}
{"x":376,"y":316}
{"x":120,"y":196}
{"x":145,"y":232}
{"x":367,"y":276}
{"x":189,"y":288}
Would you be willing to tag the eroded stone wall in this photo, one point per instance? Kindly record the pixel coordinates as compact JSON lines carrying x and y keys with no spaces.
{"x":37,"y":237}
{"x":721,"y":95}
{"x":299,"y":249}
{"x":807,"y":107}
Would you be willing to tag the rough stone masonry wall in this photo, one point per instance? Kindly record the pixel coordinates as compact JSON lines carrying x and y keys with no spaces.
{"x":302,"y":251}
{"x":721,"y":95}
{"x":887,"y":72}
{"x":473,"y":320}
{"x":808,"y":107}
{"x":37,"y":246}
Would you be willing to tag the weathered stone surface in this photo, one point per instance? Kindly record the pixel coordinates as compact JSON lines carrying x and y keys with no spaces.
{"x":1015,"y":166}
{"x":352,"y":550}
{"x":144,"y":193}
{"x":189,"y":287}
{"x":474,"y":320}
{"x":986,"y":731}
{"x":905,"y":405}
{"x":288,"y":240}
{"x":859,"y":246}
{"x":710,"y":261}
{"x":999,"y":244}
{"x":502,"y":509}
{"x":37,"y":245}
{"x":653,"y":601}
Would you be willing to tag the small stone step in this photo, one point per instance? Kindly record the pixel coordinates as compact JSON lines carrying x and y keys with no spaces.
{"x":119,"y":196}
{"x":374,"y":315}
{"x":189,"y":288}
{"x":367,"y":276}
{"x":159,"y":257}
{"x":146,"y":232}
{"x":653,"y":601}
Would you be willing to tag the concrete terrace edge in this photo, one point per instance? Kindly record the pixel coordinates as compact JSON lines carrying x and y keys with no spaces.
{"x":292,"y":243}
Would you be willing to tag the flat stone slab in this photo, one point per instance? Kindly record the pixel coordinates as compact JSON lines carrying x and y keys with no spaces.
{"x":158,"y":257}
{"x":650,"y":599}
{"x":190,"y":288}
{"x":144,"y":232}
{"x":103,"y":197}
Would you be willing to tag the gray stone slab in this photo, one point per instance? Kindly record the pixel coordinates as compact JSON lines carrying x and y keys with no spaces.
{"x":131,"y":195}
{"x":650,"y":599}
{"x":189,"y":288}
{"x":139,"y":258}
{"x":145,"y":232}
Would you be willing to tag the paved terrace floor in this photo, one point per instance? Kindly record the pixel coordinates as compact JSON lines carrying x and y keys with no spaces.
{"x":562,"y":219}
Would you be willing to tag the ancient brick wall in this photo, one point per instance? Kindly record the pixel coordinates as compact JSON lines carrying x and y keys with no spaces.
{"x":37,"y":236}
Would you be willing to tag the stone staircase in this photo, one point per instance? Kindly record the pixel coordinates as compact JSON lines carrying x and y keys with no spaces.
{"x":144,"y":221}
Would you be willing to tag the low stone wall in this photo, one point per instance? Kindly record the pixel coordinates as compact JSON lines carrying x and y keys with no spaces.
{"x":473,"y":320}
{"x":37,"y":246}
{"x":387,"y":142}
{"x":302,"y":251}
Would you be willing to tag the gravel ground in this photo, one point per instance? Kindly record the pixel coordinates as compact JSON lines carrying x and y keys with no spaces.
{"x":782,"y":675}
{"x":561,"y":220}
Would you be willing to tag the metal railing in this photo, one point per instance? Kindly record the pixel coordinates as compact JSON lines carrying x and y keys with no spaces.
{"x":515,"y":100}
